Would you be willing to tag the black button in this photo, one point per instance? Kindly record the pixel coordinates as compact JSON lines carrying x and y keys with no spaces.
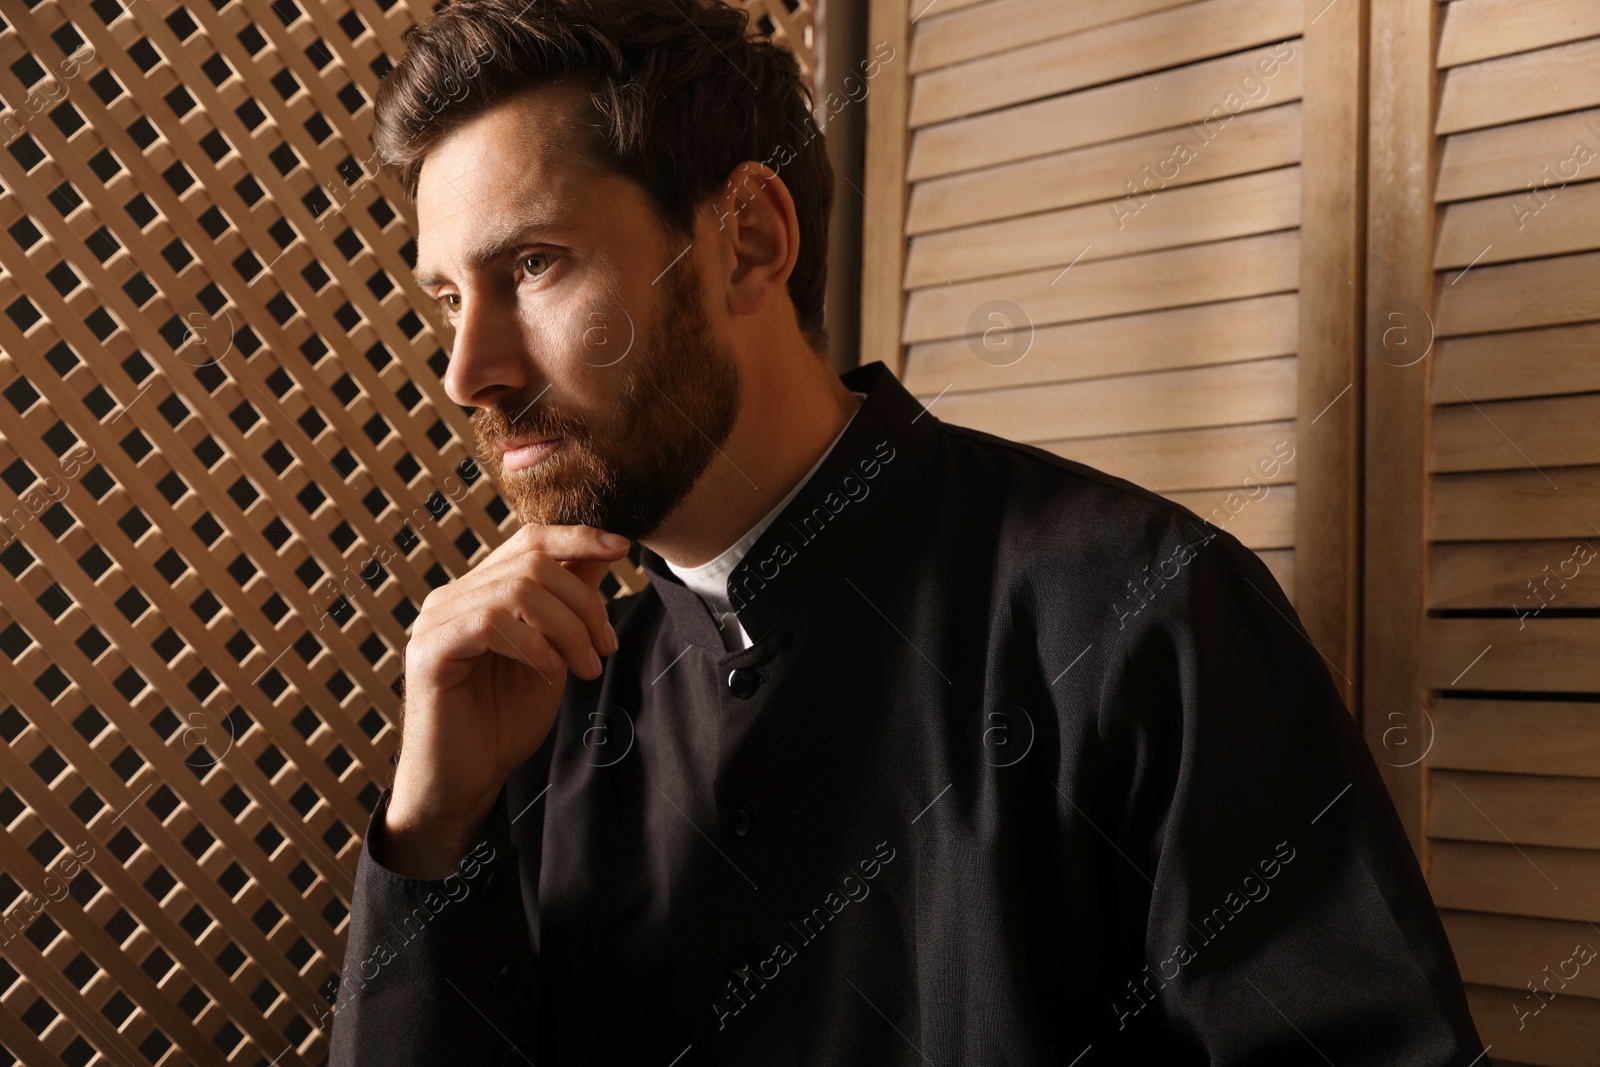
{"x":491,"y":884}
{"x":744,"y":681}
{"x":505,"y":979}
{"x":738,"y":822}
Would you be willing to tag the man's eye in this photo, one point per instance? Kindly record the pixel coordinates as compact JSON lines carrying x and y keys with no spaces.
{"x":542,"y":261}
{"x":446,"y":306}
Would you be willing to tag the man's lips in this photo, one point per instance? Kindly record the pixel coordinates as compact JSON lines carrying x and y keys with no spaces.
{"x":518,"y":453}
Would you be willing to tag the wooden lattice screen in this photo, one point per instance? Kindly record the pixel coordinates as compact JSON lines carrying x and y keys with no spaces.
{"x":228,"y":473}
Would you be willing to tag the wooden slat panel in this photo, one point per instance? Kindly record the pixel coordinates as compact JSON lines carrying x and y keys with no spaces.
{"x":1560,"y":1035}
{"x":1514,"y":505}
{"x":1169,"y":159}
{"x":1527,"y":809}
{"x":1546,"y":292}
{"x":1483,"y":29}
{"x":1263,"y":523}
{"x":1560,"y":359}
{"x":1563,"y":78}
{"x":1510,"y":951}
{"x":1207,"y":93}
{"x":1551,"y":883}
{"x":1512,"y":434}
{"x":1533,"y":655}
{"x":1227,"y":331}
{"x":943,"y":37}
{"x":1521,"y":225}
{"x":1099,"y":54}
{"x":1506,"y":158}
{"x":1222,"y":457}
{"x":1250,"y":266}
{"x":1516,"y":736}
{"x":1525,"y":576}
{"x":1235,"y":207}
{"x":1258,"y":391}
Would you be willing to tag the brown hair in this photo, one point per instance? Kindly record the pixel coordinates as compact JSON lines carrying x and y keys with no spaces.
{"x":681,"y":92}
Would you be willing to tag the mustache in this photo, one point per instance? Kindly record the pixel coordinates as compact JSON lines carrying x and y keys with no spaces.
{"x":498,"y":422}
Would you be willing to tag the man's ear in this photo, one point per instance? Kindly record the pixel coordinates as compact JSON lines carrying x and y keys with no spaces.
{"x":758,"y":234}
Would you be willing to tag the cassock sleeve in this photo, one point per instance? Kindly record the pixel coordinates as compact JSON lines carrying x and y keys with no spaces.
{"x":1271,"y":909}
{"x":437,"y":971}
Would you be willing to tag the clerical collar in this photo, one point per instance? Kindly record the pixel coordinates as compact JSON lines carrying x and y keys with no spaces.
{"x":844,"y":511}
{"x":710,"y":579}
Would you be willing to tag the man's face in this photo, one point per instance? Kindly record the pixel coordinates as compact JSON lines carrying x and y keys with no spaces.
{"x":575,"y":319}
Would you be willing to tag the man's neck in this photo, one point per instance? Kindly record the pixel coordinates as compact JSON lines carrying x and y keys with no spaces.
{"x":790,"y":412}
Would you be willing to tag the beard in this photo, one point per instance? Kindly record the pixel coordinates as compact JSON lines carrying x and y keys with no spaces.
{"x":626,"y":470}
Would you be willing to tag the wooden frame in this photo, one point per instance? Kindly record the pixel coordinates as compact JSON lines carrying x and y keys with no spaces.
{"x":883,"y":241}
{"x":1400,"y":214}
{"x":1328,"y":427}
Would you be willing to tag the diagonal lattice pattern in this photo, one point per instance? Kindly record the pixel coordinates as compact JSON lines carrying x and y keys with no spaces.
{"x":228,"y":475}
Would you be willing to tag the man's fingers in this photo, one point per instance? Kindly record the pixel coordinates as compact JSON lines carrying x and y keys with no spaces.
{"x":589,"y":571}
{"x":526,"y":584}
{"x":489,"y":629}
{"x":538,"y":593}
{"x":562,"y":542}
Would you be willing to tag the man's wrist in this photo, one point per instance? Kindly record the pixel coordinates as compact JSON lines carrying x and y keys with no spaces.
{"x":417,"y":846}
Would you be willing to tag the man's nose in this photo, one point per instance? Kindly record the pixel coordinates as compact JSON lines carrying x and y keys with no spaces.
{"x":488,"y":357}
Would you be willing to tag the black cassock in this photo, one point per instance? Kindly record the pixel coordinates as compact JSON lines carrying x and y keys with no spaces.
{"x":1026,"y":765}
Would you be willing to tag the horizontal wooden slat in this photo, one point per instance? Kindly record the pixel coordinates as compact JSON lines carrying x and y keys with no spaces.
{"x":1234,"y":207}
{"x":1524,"y":86}
{"x":1521,"y":655}
{"x":1527,"y":809}
{"x":1224,"y":332}
{"x":924,"y":9}
{"x":1482,"y":29}
{"x":1222,"y":457}
{"x":1168,"y":159}
{"x":1510,"y":951}
{"x":1545,"y":292}
{"x":1133,"y":48}
{"x":1207,"y":93}
{"x":1266,"y":522}
{"x":1506,"y":158}
{"x":1497,"y":574}
{"x":1516,"y":736}
{"x":1558,"y":359}
{"x":1516,"y":434}
{"x":1249,"y":266}
{"x":1514,"y":505}
{"x":1561,"y":1035}
{"x":943,"y":36}
{"x":1259,"y":391}
{"x":1551,"y":883}
{"x":1521,"y":225}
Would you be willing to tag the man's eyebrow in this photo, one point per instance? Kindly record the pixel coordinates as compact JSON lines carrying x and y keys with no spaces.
{"x":488,"y":250}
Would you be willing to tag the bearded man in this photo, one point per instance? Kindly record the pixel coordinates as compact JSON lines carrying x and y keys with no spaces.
{"x":920,"y":747}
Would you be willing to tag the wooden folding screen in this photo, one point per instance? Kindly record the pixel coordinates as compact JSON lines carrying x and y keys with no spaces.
{"x":1128,"y":232}
{"x":1483,"y":492}
{"x":228,"y":475}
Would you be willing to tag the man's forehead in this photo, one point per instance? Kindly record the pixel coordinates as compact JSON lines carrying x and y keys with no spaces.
{"x":523,"y":147}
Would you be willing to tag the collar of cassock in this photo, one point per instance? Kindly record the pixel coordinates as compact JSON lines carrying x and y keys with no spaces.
{"x":848,"y":515}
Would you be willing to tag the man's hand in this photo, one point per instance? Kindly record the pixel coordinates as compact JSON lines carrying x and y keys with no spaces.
{"x":485,"y":670}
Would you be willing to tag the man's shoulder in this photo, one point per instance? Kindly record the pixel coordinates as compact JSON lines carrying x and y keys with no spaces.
{"x":1039,"y":497}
